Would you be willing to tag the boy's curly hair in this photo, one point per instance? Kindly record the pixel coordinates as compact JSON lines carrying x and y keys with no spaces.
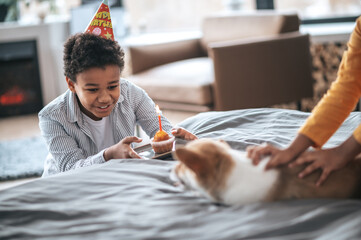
{"x":84,"y":50}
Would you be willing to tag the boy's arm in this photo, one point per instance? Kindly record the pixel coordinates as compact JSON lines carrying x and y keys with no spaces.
{"x":64,"y":148}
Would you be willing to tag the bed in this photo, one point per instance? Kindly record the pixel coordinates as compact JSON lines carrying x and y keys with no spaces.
{"x":135,"y":199}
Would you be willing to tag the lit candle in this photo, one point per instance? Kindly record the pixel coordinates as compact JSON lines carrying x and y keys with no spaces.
{"x":160,"y":122}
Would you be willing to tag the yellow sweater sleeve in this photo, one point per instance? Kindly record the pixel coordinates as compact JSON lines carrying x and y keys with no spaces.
{"x":341,"y":98}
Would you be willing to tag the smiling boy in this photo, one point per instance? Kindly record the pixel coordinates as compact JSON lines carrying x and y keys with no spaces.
{"x":97,"y":90}
{"x":94,"y":120}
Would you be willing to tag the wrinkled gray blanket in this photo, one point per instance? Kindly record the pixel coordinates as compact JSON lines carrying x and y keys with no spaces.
{"x":135,"y":199}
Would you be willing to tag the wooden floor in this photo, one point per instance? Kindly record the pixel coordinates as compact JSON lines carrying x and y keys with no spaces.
{"x":28,"y":125}
{"x":19,"y":127}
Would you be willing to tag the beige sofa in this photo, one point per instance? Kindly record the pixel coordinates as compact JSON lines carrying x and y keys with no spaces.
{"x":240,"y":61}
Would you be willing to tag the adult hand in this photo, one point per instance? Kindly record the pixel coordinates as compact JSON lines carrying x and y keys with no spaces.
{"x":122,"y":149}
{"x":328,"y":160}
{"x":183,"y":133}
{"x":278,"y":156}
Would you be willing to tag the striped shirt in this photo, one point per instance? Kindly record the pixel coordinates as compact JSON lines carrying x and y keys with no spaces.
{"x":68,"y":136}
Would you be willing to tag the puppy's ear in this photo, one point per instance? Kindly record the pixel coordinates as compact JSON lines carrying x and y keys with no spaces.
{"x":192,"y":160}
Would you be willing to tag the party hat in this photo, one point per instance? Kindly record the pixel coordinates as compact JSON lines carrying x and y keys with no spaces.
{"x":101,"y":24}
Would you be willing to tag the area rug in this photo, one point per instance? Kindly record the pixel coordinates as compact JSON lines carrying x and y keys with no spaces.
{"x":22,"y":158}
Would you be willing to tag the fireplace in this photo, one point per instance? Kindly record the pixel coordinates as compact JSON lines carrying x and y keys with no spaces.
{"x":20,"y":87}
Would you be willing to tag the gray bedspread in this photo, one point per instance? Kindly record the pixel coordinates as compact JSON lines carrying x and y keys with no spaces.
{"x":135,"y":199}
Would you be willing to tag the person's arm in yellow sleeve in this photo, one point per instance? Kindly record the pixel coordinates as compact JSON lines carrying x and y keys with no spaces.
{"x":326,"y":118}
{"x":342,"y":96}
{"x":357,"y":134}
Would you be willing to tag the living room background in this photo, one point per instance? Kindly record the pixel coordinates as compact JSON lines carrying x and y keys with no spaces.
{"x":175,"y":15}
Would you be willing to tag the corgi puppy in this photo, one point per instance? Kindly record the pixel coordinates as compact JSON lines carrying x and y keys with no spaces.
{"x":228,"y":176}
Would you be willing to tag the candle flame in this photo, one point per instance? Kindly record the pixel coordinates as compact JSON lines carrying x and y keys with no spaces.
{"x":157,"y":109}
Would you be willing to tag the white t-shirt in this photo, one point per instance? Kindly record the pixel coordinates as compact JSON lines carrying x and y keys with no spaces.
{"x":101,"y":131}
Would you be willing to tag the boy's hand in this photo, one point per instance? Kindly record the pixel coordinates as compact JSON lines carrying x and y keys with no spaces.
{"x":184,"y":134}
{"x":122,"y":149}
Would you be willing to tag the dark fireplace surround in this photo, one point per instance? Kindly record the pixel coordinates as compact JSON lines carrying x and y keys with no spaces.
{"x":20,"y":87}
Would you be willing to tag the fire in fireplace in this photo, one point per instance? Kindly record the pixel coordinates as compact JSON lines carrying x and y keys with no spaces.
{"x":14,"y":96}
{"x":20,"y":88}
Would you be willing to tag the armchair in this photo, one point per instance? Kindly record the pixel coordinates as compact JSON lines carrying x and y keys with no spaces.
{"x":240,"y":61}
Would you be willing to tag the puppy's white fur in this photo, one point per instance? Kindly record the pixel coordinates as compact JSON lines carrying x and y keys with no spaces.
{"x":248,"y":183}
{"x":228,"y":176}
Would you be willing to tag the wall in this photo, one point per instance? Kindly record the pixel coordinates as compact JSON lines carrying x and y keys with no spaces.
{"x":174,"y":15}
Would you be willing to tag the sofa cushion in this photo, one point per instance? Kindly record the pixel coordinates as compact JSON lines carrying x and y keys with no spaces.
{"x":188,"y":81}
